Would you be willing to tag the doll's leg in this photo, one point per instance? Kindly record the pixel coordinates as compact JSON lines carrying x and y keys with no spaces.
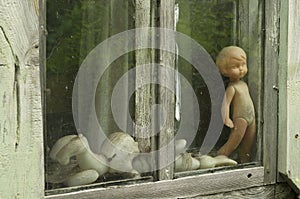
{"x":247,"y":142}
{"x":236,"y":135}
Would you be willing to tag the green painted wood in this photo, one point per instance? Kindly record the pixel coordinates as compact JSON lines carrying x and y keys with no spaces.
{"x":289,"y":95}
{"x":21,"y":142}
{"x":282,"y":86}
{"x":21,"y":118}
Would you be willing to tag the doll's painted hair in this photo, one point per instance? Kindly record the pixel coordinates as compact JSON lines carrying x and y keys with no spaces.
{"x":224,"y":55}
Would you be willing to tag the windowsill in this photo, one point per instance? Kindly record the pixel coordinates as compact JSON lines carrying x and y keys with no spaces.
{"x":199,"y":185}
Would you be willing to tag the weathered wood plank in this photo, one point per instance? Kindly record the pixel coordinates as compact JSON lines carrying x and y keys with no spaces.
{"x":289,"y":96}
{"x":179,"y":188}
{"x":270,"y":90}
{"x":42,"y":51}
{"x":282,"y":86}
{"x":145,"y":96}
{"x":293,"y":95}
{"x":21,"y":154}
{"x":263,"y":192}
{"x":166,"y":97}
{"x":143,"y":99}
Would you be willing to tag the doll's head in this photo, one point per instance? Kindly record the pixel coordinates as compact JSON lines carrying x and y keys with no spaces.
{"x":232,"y":62}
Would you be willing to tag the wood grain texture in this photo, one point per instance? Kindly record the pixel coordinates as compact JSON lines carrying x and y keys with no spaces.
{"x":282,"y":191}
{"x":289,"y":96}
{"x":293,"y":95}
{"x":282,"y":86}
{"x":21,"y":153}
{"x":143,"y":98}
{"x":270,"y":85}
{"x":166,"y":97}
{"x":179,"y":188}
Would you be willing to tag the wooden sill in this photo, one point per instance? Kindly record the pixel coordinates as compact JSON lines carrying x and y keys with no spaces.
{"x":190,"y":186}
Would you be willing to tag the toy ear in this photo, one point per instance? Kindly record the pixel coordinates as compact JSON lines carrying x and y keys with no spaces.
{"x":180,"y":146}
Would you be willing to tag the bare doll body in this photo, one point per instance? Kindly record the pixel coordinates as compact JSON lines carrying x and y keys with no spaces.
{"x":232,"y":63}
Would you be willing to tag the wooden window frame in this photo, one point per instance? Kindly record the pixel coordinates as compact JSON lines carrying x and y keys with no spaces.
{"x":216,"y":181}
{"x":189,"y":186}
{"x":288,"y":120}
{"x":22,"y":152}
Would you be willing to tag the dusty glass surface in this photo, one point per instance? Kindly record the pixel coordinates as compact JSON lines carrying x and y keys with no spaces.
{"x":75,"y":28}
{"x":215,"y":25}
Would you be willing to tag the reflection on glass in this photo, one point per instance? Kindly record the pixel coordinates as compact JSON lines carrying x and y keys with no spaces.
{"x":75,"y":28}
{"x":213,"y":24}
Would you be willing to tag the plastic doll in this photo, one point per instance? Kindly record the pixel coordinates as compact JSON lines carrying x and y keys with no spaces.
{"x":232,"y":63}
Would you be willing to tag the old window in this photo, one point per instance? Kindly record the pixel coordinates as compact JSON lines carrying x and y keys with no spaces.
{"x":138,"y":85}
{"x":75,"y":28}
{"x":215,"y":24}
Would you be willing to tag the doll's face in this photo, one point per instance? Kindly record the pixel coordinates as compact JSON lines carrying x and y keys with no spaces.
{"x":236,"y":65}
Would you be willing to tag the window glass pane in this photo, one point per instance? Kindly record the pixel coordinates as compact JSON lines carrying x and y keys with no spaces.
{"x":215,"y":24}
{"x":77,"y":105}
{"x":75,"y":29}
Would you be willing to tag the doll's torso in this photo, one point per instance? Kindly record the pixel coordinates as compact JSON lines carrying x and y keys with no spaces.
{"x":242,"y":105}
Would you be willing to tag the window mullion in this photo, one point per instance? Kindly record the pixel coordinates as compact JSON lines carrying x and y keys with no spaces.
{"x":166,"y":97}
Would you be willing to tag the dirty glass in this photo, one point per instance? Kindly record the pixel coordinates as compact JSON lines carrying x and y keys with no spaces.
{"x":216,"y":24}
{"x":75,"y":31}
{"x":75,"y":28}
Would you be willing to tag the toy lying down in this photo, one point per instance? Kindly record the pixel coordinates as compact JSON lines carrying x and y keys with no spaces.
{"x":120,"y":154}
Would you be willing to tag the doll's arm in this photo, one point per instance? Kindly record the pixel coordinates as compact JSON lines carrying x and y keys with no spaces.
{"x":229,"y":96}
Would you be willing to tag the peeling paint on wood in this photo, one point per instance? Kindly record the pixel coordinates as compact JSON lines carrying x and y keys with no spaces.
{"x":21,"y":154}
{"x":289,"y":96}
{"x":21,"y":170}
